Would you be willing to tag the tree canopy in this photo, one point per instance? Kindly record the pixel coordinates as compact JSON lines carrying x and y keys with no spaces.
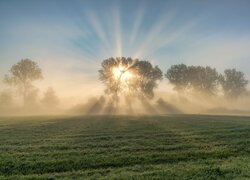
{"x":178,"y":76}
{"x":233,"y":83}
{"x":202,"y":79}
{"x":129,"y":76}
{"x":207,"y":80}
{"x":22,"y":74}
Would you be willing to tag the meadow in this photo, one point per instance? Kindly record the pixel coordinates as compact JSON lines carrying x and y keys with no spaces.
{"x":125,"y":147}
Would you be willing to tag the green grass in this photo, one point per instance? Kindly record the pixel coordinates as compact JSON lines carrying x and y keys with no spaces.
{"x":123,"y":147}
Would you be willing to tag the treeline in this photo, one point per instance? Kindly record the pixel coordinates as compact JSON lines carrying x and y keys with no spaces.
{"x":22,"y":75}
{"x":231,"y":83}
{"x":20,"y":81}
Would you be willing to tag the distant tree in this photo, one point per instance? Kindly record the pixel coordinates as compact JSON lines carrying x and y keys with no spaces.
{"x":178,"y":76}
{"x":147,"y":77}
{"x":198,"y":78}
{"x":21,"y":76}
{"x":233,"y":83}
{"x":207,"y":80}
{"x":203,"y":79}
{"x":50,"y":98}
{"x":129,"y":76}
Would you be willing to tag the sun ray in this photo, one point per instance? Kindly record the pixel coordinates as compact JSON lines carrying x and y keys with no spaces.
{"x":167,"y":38}
{"x":117,"y":32}
{"x":98,"y":28}
{"x":122,"y":75}
{"x":137,"y":23}
{"x":156,"y":29}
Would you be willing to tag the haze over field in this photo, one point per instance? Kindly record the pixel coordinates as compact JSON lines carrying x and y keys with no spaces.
{"x":78,"y":47}
{"x":124,"y":89}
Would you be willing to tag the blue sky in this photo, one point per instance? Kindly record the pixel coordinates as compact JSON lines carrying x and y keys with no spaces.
{"x":70,"y":38}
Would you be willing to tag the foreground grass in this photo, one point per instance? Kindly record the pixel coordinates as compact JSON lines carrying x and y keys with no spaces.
{"x":123,"y":147}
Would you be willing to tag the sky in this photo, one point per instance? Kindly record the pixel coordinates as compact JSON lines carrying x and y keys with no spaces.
{"x":70,"y":38}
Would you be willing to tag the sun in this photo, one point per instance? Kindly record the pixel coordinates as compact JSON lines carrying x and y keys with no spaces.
{"x":117,"y":73}
{"x":121,"y":74}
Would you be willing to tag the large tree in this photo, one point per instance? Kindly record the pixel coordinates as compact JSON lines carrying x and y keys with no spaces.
{"x":129,"y":76}
{"x":203,"y":79}
{"x":233,"y":83}
{"x":178,"y":76}
{"x":207,"y":80}
{"x":21,"y":76}
{"x":198,"y":78}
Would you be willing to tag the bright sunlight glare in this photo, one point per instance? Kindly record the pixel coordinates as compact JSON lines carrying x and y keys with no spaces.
{"x":122,"y":75}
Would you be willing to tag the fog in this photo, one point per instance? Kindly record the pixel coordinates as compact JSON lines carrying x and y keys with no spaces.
{"x":43,"y":98}
{"x":164,"y":102}
{"x":167,"y":103}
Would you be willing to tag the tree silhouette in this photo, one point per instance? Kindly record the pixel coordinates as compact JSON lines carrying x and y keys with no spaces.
{"x":129,"y":76}
{"x":21,"y":76}
{"x":50,"y":99}
{"x":178,"y":76}
{"x":207,"y":80}
{"x":197,"y":78}
{"x":203,"y":79}
{"x":233,"y":83}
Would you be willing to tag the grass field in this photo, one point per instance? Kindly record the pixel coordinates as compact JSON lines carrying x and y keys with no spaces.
{"x":123,"y":147}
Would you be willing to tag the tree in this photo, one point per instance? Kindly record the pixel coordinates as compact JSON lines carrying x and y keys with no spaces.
{"x":129,"y":76}
{"x":203,"y":79}
{"x":146,"y":77}
{"x":198,"y":78}
{"x":21,"y":76}
{"x":233,"y":83}
{"x":50,"y":99}
{"x":178,"y":76}
{"x":207,"y":80}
